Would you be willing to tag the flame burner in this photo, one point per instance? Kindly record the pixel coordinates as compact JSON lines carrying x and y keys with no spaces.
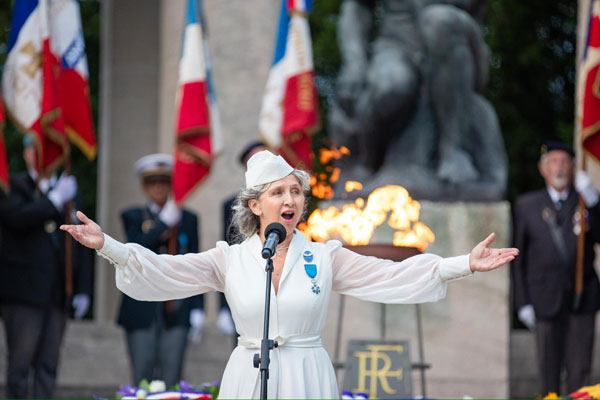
{"x":356,"y":222}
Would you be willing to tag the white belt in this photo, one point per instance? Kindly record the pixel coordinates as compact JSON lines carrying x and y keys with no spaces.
{"x":301,"y":340}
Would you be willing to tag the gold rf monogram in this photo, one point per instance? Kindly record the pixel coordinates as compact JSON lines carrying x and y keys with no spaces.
{"x":378,"y":376}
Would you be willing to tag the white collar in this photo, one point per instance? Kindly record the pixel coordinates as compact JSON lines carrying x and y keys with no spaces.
{"x":295,"y":249}
{"x":154,"y":208}
{"x":555,"y":195}
{"x":33,"y":174}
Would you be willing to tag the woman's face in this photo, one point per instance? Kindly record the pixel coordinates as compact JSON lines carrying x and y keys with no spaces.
{"x":282,"y":202}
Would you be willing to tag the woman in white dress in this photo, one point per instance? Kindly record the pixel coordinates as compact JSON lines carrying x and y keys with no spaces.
{"x":305,"y":274}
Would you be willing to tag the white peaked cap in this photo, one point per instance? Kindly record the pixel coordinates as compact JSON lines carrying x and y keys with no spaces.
{"x":154,"y":164}
{"x":266,"y":167}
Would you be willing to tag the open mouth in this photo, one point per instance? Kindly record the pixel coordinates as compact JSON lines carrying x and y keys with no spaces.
{"x":288,"y":216}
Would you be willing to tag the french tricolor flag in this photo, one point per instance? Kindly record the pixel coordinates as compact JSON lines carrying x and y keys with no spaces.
{"x":198,"y":130}
{"x":73,"y":89}
{"x":29,"y":83}
{"x":289,"y":114}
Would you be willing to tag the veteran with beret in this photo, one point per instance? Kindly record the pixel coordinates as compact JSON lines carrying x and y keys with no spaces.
{"x":157,"y":331}
{"x":305,"y":274}
{"x":546,"y":225}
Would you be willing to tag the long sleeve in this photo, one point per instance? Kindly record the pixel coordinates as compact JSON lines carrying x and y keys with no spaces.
{"x":145,"y":275}
{"x":418,"y":279}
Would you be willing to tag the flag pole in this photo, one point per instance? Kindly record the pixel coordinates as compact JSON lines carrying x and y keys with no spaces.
{"x":580,"y":245}
{"x":68,"y":240}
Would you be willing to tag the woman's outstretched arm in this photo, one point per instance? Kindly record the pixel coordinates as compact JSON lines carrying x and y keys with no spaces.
{"x":88,"y":233}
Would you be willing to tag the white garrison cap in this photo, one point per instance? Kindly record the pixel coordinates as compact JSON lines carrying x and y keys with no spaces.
{"x":154,"y":165}
{"x":266,"y":167}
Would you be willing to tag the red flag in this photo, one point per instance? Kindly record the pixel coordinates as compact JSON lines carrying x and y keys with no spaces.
{"x":197,"y":126}
{"x":54,"y":144}
{"x":4,"y":184}
{"x":589,"y":85}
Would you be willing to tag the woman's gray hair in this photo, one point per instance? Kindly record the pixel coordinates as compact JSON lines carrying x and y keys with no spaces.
{"x":244,"y":221}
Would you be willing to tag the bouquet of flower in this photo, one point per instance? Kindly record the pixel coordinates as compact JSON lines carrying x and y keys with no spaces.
{"x":158,"y":390}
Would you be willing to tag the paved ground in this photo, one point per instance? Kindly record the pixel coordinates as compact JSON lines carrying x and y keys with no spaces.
{"x":94,"y":362}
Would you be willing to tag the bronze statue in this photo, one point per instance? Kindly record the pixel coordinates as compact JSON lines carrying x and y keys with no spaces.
{"x":408,"y":102}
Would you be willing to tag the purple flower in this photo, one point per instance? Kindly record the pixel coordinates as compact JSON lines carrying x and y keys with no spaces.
{"x":126,"y":390}
{"x":187,"y":387}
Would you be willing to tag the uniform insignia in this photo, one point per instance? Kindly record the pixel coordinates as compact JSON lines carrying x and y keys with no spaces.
{"x":148,"y":225}
{"x":547,"y":213}
{"x":183,"y":241}
{"x":50,"y":226}
{"x":577,"y":221}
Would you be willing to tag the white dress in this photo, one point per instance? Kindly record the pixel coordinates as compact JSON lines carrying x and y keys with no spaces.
{"x":300,"y":366}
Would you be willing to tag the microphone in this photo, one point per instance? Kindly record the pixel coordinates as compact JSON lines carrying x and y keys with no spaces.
{"x":274,"y":234}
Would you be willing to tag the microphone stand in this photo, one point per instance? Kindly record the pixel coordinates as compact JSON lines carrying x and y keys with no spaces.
{"x":266,"y":345}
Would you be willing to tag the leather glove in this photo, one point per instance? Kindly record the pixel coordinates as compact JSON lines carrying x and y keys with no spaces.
{"x":64,"y":190}
{"x":585,"y":187}
{"x":527,"y":316}
{"x":170,"y":213}
{"x":196,"y":322}
{"x":81,"y":304}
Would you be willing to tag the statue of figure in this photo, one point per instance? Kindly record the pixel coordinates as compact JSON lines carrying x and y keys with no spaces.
{"x":408,"y":104}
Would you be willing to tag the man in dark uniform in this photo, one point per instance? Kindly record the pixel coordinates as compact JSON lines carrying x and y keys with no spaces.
{"x":157,"y":332}
{"x":546,"y":225}
{"x":33,"y":302}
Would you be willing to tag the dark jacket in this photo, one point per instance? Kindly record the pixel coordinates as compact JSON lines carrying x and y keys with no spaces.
{"x":144,"y":228}
{"x":32,"y":263}
{"x":230,"y":233}
{"x":540,"y":277}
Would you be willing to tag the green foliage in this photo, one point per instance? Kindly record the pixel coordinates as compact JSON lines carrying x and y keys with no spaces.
{"x":532,"y":79}
{"x":327,"y":61}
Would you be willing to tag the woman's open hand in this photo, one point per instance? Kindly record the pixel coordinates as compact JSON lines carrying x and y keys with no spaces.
{"x":484,"y":258}
{"x":89,"y":234}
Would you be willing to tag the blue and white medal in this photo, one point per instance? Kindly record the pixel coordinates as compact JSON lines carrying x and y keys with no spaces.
{"x":311,"y":271}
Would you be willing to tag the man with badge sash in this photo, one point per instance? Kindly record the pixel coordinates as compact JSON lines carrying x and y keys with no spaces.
{"x":157,"y":332}
{"x":34,"y":304}
{"x":546,"y":226}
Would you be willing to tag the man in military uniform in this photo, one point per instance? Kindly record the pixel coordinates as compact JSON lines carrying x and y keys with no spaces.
{"x":157,"y":332}
{"x":547,"y":223}
{"x":33,"y":299}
